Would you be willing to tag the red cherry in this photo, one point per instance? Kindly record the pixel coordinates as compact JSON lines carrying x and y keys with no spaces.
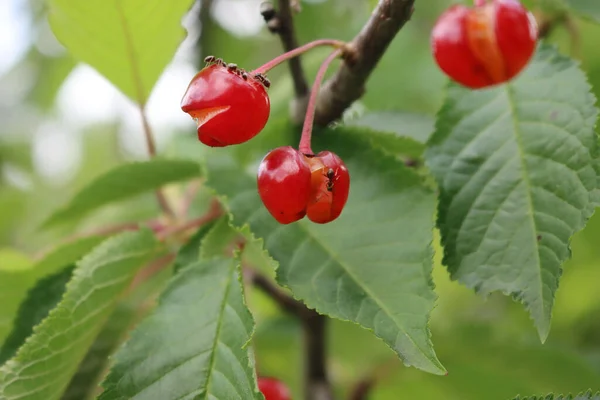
{"x":284,"y":184}
{"x":273,"y":389}
{"x":330,"y":185}
{"x":229,"y":105}
{"x":484,"y":45}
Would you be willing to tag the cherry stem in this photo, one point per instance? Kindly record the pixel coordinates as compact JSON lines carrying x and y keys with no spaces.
{"x":480,"y":3}
{"x":305,"y":139}
{"x":338,"y":44}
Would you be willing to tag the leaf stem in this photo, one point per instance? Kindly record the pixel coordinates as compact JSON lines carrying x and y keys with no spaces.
{"x":214,"y":212}
{"x":151,"y":145}
{"x":338,"y":44}
{"x":305,"y":139}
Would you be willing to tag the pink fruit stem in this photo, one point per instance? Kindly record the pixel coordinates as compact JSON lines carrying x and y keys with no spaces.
{"x":480,"y":3}
{"x":304,"y":146}
{"x":338,"y":44}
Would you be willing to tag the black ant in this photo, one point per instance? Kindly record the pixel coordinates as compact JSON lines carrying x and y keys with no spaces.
{"x":331,"y":178}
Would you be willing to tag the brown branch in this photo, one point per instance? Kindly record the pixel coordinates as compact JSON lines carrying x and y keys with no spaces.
{"x":348,"y":83}
{"x":282,"y":23}
{"x":214,"y":212}
{"x":316,"y":381}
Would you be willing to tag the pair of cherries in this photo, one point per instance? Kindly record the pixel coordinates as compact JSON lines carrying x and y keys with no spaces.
{"x":231,"y":106}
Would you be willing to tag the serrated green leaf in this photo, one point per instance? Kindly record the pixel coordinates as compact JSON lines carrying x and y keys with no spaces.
{"x":586,"y":8}
{"x":18,"y":275}
{"x":515,"y":168}
{"x":42,"y":298}
{"x":44,"y":365}
{"x":123,"y":182}
{"x":581,"y":396}
{"x":203,"y":312}
{"x":372,"y":265}
{"x":129,"y":42}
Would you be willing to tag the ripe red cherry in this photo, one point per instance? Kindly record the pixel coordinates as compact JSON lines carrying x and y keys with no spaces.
{"x":330,"y":184}
{"x":284,"y":184}
{"x":292,"y":185}
{"x":273,"y":389}
{"x":229,"y":105}
{"x":484,"y":45}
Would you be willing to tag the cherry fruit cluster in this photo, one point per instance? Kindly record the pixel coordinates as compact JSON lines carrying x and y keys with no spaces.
{"x":231,"y":106}
{"x":478,"y":47}
{"x":484,"y":45}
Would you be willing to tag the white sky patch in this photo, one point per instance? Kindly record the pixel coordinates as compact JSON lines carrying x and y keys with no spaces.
{"x":15,"y":32}
{"x":56,"y":152}
{"x":240,"y":17}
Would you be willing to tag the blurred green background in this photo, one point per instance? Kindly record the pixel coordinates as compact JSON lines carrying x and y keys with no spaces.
{"x":62,"y":124}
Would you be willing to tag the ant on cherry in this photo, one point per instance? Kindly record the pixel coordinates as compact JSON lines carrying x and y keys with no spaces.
{"x":332,"y":177}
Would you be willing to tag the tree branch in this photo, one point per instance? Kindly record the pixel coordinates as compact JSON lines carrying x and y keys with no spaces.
{"x":282,"y":23}
{"x":348,"y":83}
{"x":316,"y":381}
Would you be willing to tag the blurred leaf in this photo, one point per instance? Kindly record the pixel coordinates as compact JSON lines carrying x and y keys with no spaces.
{"x":586,"y":8}
{"x":372,"y":265}
{"x":515,"y":167}
{"x":396,"y":133}
{"x":42,"y":298}
{"x":129,"y":42}
{"x":18,"y":275}
{"x":581,"y":396}
{"x":44,"y":365}
{"x":480,"y":367}
{"x":203,"y":312}
{"x":122,"y":182}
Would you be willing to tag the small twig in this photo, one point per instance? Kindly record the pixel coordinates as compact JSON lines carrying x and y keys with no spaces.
{"x":149,"y":271}
{"x":286,"y":302}
{"x":214,"y":212}
{"x":348,"y":83}
{"x":316,"y":382}
{"x":188,"y":197}
{"x":363,"y":387}
{"x":103,"y":231}
{"x":282,"y":23}
{"x":160,"y":196}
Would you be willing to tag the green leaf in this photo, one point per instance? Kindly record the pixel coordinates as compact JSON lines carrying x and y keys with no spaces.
{"x":581,"y":396}
{"x":123,"y":182}
{"x":44,"y":365}
{"x":515,"y":165}
{"x":129,"y":42}
{"x":372,"y":265}
{"x":586,"y":8}
{"x":418,"y":127}
{"x":84,"y":384}
{"x":190,"y":252}
{"x":18,"y":275}
{"x":202,"y":311}
{"x":42,"y":298}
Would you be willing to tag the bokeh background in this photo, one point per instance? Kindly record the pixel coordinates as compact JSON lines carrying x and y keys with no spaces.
{"x":61,"y":124}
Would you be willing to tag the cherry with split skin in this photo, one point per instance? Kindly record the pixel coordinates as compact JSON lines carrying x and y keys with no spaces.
{"x":229,"y":105}
{"x":484,"y":45}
